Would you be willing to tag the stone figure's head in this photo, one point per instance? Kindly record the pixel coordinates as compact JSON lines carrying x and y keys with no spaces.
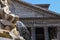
{"x":4,"y":2}
{"x":6,"y":25}
{"x":13,"y":18}
{"x":9,"y":28}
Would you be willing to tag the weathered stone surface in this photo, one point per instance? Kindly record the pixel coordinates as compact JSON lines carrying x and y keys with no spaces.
{"x":5,"y":34}
{"x":6,"y":22}
{"x":24,"y":12}
{"x":1,"y":38}
{"x":41,"y":22}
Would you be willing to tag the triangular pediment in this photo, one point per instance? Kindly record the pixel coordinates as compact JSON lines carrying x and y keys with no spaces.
{"x":24,"y":10}
{"x":46,"y":6}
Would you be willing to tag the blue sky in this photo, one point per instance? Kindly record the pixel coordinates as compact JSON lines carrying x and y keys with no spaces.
{"x":54,"y":4}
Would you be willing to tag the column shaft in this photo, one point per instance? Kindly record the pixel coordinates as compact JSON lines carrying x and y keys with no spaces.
{"x":46,"y":33}
{"x":58,"y":33}
{"x":33,"y":33}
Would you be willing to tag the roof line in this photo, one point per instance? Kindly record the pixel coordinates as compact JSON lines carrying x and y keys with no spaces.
{"x":38,"y":8}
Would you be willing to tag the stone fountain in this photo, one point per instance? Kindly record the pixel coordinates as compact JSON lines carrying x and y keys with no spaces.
{"x":10,"y":26}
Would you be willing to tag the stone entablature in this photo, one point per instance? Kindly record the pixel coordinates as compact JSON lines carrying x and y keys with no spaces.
{"x":41,"y":22}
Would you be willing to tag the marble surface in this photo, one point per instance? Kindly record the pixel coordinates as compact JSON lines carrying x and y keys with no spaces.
{"x":1,"y":38}
{"x":54,"y":39}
